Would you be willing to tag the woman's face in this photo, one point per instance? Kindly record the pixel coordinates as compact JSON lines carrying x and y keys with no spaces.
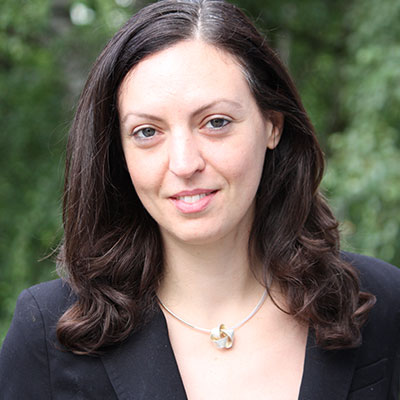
{"x":194,"y":142}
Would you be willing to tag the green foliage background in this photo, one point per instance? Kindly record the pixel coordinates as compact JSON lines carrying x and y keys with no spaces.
{"x":343,"y":54}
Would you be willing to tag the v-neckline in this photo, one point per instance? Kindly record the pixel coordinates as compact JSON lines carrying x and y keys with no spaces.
{"x":320,"y":367}
{"x":307,"y":366}
{"x":144,"y":367}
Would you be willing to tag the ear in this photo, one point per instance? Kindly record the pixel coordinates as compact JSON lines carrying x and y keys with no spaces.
{"x":277,"y":121}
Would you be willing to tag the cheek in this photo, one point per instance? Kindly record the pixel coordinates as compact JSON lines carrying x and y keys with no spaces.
{"x":244,"y":163}
{"x":144,"y":173}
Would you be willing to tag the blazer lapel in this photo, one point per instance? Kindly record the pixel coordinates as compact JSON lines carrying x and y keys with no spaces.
{"x":327,"y":374}
{"x":144,"y":366}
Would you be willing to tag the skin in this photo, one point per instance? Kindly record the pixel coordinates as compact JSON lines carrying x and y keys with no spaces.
{"x":194,"y":142}
{"x":205,"y":134}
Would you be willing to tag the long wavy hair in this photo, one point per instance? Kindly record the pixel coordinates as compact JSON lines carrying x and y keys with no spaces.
{"x":112,"y":253}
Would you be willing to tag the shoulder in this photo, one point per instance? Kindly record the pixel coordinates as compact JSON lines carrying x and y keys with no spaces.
{"x":37,"y":311}
{"x":383,"y":281}
{"x":31,"y":349}
{"x":52,"y":295}
{"x":25,"y":351}
{"x":378,"y":358}
{"x":56,"y":291}
{"x":36,"y":314}
{"x":47,"y":300}
{"x":376,"y":276}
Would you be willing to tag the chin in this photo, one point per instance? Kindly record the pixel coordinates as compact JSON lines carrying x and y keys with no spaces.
{"x":197,"y":240}
{"x":203,"y":237}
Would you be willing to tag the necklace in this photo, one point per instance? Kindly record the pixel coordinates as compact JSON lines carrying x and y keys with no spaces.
{"x":221,"y":335}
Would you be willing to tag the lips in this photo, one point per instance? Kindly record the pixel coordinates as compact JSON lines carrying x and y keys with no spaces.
{"x":193,"y":201}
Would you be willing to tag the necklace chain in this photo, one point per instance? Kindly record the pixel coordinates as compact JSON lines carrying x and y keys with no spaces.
{"x":221,"y":336}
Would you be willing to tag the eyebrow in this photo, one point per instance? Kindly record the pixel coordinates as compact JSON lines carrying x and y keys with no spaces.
{"x":200,"y":110}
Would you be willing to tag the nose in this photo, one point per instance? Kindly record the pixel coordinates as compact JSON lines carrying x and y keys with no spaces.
{"x":185,"y":157}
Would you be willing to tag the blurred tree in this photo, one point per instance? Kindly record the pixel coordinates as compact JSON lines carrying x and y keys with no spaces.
{"x":46,"y":48}
{"x":31,"y":107}
{"x":344,"y":56}
{"x":364,"y":170}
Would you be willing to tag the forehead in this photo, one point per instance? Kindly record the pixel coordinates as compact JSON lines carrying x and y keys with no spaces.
{"x":187,"y":72}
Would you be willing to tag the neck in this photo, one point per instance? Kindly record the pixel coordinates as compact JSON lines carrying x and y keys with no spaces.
{"x":209,"y":282}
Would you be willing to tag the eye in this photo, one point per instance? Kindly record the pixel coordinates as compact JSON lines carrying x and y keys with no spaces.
{"x":217,"y":123}
{"x":146,"y":132}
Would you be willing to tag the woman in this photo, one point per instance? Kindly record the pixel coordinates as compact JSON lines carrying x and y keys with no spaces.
{"x":199,"y":258}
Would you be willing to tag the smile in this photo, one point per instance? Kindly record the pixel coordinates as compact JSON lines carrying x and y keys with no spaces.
{"x":195,"y":201}
{"x":191,"y":199}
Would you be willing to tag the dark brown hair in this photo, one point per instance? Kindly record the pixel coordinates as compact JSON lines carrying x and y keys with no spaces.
{"x":112,"y":253}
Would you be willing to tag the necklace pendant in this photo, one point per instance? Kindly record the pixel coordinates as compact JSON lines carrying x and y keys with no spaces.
{"x":222,"y":337}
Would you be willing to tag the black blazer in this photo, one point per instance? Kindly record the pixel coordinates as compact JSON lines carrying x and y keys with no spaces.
{"x":33,"y":366}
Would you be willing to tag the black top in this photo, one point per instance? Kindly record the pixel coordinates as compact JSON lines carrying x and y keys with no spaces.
{"x":33,"y":366}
